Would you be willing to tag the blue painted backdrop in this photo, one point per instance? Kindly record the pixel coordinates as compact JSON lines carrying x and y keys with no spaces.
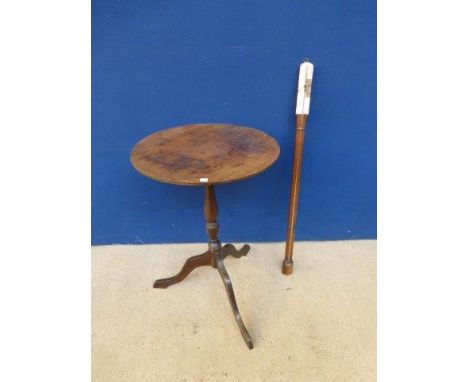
{"x":157,"y":64}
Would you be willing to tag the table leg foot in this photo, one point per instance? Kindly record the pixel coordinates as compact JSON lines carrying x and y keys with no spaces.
{"x":232,"y":299}
{"x":189,"y":266}
{"x":230,"y":250}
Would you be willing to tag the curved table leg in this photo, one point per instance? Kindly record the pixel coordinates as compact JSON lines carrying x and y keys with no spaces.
{"x":232,"y":299}
{"x":229,"y":249}
{"x":189,"y":266}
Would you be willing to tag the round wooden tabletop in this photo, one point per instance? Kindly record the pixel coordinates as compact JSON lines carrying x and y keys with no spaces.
{"x":203,"y":154}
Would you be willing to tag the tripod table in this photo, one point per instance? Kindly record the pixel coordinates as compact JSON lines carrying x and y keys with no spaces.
{"x":206,"y":155}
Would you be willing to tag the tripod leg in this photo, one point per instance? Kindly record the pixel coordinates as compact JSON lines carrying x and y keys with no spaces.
{"x":229,"y":249}
{"x":189,"y":266}
{"x":232,"y":300}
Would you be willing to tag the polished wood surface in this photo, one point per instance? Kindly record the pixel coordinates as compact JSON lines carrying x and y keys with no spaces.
{"x":203,"y":154}
{"x":288,"y":263}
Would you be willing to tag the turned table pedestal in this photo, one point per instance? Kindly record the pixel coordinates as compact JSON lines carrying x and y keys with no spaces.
{"x":206,"y":155}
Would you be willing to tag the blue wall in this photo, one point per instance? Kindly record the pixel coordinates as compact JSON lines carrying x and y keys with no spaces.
{"x":235,"y":62}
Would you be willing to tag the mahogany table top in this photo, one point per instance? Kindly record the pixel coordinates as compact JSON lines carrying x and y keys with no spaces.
{"x":201,"y":154}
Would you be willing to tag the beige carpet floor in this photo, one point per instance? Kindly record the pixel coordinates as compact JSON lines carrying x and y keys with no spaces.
{"x":318,"y":324}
